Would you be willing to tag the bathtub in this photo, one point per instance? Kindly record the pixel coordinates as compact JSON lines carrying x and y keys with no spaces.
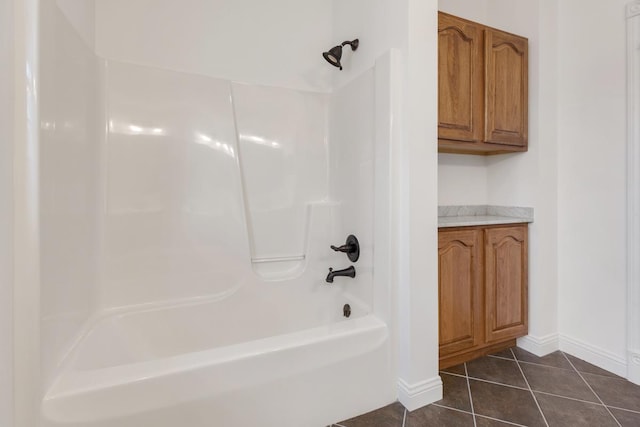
{"x":217,"y":363}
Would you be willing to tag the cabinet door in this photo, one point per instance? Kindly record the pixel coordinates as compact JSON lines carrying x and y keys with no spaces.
{"x":460,"y":290}
{"x":506,"y":88}
{"x":506,"y":282}
{"x":460,"y":82}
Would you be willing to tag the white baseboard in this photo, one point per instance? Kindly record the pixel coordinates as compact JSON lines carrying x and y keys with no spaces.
{"x":540,"y":346}
{"x":414,"y":396}
{"x":633,"y":367}
{"x":594,"y":355}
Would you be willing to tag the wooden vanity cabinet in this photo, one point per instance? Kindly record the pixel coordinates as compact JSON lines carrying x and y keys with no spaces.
{"x":460,"y":289}
{"x":482,"y":88}
{"x":482,"y":281}
{"x":505,"y":284}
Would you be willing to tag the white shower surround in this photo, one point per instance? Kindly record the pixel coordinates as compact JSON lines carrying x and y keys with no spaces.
{"x":155,"y":221}
{"x":279,"y":343}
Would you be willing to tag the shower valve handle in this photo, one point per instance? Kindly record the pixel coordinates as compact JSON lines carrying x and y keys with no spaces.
{"x":351,"y":248}
{"x":343,"y":248}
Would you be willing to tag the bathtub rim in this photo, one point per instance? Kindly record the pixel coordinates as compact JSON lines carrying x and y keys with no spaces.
{"x":151,"y":385}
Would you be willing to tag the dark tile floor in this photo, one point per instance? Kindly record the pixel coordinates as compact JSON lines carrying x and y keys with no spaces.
{"x":517,"y":388}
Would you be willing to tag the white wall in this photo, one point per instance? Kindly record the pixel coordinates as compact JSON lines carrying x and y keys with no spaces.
{"x":544,"y":281}
{"x":372,"y":22}
{"x":462,"y":180}
{"x":409,"y":26}
{"x":577,"y":187}
{"x":274,"y":43}
{"x":591,"y":192}
{"x":6,"y":214}
{"x":419,"y":218}
{"x":520,"y":179}
{"x":530,"y":179}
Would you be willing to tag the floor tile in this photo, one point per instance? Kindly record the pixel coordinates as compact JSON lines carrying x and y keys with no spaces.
{"x":436,"y":416}
{"x":489,"y":422}
{"x":587,"y":367}
{"x":626,"y":418}
{"x":562,"y":382}
{"x":555,"y":359}
{"x":616,"y":392}
{"x":389,"y":416}
{"x":458,"y":369}
{"x":498,"y":405}
{"x":505,"y":403}
{"x":504,"y":353}
{"x":496,"y":370}
{"x":561,"y":412}
{"x":456,"y":392}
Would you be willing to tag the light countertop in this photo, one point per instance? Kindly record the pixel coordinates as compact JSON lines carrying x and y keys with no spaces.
{"x":464,"y":216}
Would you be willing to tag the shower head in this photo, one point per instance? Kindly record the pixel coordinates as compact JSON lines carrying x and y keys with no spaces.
{"x":334,"y":54}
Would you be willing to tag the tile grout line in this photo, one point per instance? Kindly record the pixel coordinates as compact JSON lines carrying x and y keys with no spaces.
{"x":489,"y":381}
{"x":545,"y":365}
{"x":478,"y":415}
{"x":473,"y":412}
{"x":499,"y":357}
{"x":622,"y":409}
{"x":499,"y":420}
{"x":529,"y":386}
{"x":497,"y":383}
{"x":451,"y":408}
{"x":592,"y":390}
{"x":569,"y":398}
{"x":455,"y":375}
{"x":527,"y":362}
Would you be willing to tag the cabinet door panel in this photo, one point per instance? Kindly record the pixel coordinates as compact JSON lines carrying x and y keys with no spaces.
{"x":460,"y":290}
{"x":506,"y":88}
{"x":460,"y":93}
{"x":506,"y":282}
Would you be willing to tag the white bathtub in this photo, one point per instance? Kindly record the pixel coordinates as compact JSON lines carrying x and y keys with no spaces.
{"x":217,"y":363}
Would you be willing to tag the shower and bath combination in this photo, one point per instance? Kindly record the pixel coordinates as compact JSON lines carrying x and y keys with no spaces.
{"x":186,"y":305}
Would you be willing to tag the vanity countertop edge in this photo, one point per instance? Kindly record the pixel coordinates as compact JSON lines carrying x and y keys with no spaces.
{"x":474,"y":215}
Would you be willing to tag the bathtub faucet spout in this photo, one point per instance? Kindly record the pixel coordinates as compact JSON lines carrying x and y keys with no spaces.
{"x":347,"y":272}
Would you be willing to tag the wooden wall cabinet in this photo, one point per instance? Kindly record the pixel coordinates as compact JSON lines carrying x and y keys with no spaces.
{"x":482,"y":279}
{"x":483,"y":88}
